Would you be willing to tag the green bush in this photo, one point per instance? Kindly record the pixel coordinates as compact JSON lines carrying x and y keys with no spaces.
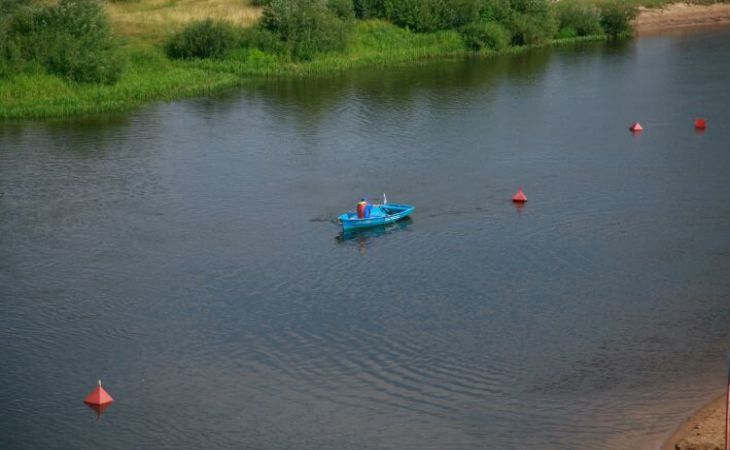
{"x":496,"y":11}
{"x":306,"y":27}
{"x":567,"y":33}
{"x":532,"y":7}
{"x":583,"y":18}
{"x":432,"y":15}
{"x":9,"y":6}
{"x":260,"y":38}
{"x":487,"y":35}
{"x":369,"y":9}
{"x":203,"y":39}
{"x":616,"y":17}
{"x":11,"y":60}
{"x":344,"y":9}
{"x":531,"y":22}
{"x":529,"y":29}
{"x":416,"y":15}
{"x":70,"y":38}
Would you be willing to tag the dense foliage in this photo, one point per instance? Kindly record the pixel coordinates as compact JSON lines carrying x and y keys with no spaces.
{"x":485,"y":35}
{"x":203,"y":39}
{"x":616,"y":16}
{"x":578,"y":18}
{"x":308,"y":27}
{"x":301,"y":29}
{"x":70,"y":39}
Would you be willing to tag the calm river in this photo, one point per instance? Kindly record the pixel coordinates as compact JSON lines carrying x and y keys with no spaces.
{"x":185,"y":254}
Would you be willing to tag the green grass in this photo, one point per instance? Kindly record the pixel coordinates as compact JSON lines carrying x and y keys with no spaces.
{"x":150,"y":76}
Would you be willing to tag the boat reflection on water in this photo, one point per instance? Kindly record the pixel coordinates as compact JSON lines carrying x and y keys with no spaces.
{"x":363,"y":237}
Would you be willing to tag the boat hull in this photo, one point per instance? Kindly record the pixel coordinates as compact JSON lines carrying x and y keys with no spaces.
{"x":390,"y":213}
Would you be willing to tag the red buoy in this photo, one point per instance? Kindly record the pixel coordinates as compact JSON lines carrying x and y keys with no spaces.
{"x":636,"y":126}
{"x":519,"y":197}
{"x":98,"y":397}
{"x":700,"y":124}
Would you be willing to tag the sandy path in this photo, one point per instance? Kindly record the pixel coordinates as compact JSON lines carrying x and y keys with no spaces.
{"x":681,"y":15}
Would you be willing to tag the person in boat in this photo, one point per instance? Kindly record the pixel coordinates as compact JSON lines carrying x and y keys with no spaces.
{"x":362,"y":208}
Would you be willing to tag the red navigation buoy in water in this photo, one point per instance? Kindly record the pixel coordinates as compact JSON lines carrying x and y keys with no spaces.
{"x":98,"y":397}
{"x":636,"y":126}
{"x":700,"y":124}
{"x":519,"y":197}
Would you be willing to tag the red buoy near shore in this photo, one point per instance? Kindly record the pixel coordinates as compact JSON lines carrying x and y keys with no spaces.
{"x":98,"y":397}
{"x":519,"y":197}
{"x":700,"y":124}
{"x":636,"y":126}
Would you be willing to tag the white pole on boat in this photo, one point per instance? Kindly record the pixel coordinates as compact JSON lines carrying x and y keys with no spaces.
{"x":385,"y":199}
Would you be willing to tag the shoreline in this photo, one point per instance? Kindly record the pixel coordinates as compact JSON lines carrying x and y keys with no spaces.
{"x":153,"y":78}
{"x":680,"y":15}
{"x":704,"y":429}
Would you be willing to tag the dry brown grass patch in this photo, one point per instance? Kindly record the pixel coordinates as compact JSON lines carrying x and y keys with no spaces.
{"x":153,"y":20}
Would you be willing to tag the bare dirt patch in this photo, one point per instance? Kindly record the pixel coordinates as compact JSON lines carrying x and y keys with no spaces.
{"x":681,"y":15}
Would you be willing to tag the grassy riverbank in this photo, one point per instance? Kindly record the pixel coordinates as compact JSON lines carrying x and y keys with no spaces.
{"x":150,"y":75}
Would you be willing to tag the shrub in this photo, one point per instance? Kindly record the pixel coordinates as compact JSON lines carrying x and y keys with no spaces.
{"x":432,"y":15}
{"x":616,"y":17}
{"x":344,"y":9}
{"x":457,"y":13}
{"x":11,"y":60}
{"x":567,"y":33}
{"x":70,"y":38}
{"x":306,"y":27}
{"x":584,"y":19}
{"x":258,"y":37}
{"x":496,"y":11}
{"x":369,"y":9}
{"x":529,"y":29}
{"x":416,"y":15}
{"x":532,"y":22}
{"x":487,"y":35}
{"x":203,"y":39}
{"x":532,"y":7}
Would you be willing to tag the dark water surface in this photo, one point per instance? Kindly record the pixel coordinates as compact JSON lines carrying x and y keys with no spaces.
{"x":185,"y":254}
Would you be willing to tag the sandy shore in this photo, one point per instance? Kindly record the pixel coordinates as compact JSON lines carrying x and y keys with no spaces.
{"x":681,"y":15}
{"x":704,"y":430}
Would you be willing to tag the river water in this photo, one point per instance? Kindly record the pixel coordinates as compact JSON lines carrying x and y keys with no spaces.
{"x":186,"y":254}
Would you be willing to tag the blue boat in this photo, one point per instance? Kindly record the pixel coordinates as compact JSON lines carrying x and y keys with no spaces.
{"x":379,"y":215}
